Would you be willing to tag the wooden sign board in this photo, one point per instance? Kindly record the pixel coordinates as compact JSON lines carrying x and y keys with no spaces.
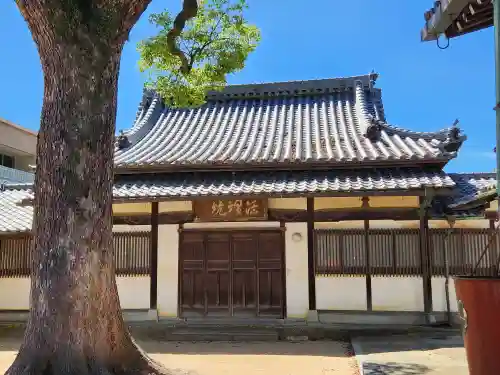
{"x":231,"y":210}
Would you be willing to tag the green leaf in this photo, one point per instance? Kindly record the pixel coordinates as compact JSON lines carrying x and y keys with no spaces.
{"x":216,"y":42}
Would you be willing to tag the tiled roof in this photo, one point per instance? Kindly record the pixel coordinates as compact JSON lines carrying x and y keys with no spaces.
{"x":471,"y":187}
{"x":181,"y":185}
{"x":192,"y":185}
{"x":14,"y":218}
{"x":331,"y":121}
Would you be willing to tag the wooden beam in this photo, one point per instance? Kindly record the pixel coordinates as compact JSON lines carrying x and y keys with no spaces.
{"x":310,"y":254}
{"x":367,"y":214}
{"x":132,"y":219}
{"x":153,"y":293}
{"x":176,"y":217}
{"x":163,"y":218}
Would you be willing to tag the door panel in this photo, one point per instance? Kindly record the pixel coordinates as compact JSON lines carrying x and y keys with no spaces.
{"x":270,"y":265}
{"x":218,"y":258}
{"x":192,"y":268}
{"x":231,"y":273}
{"x":243,"y":271}
{"x":244,"y":290}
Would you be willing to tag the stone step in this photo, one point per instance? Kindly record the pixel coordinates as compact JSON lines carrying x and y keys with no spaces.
{"x":223,"y":334}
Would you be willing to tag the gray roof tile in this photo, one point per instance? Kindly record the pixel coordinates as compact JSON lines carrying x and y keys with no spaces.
{"x":470,"y":187}
{"x":322,"y":121}
{"x":186,"y":185}
{"x":14,"y":218}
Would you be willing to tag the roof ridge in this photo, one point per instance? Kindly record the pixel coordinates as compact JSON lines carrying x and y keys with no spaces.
{"x":493,"y":174}
{"x":372,"y":76}
{"x":297,"y":87}
{"x":232,"y":90}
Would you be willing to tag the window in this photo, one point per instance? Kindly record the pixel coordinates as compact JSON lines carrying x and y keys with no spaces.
{"x":6,"y":161}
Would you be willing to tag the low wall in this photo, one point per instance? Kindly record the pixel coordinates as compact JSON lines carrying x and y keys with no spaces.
{"x":133,"y":291}
{"x":439,"y":295}
{"x":397,"y":294}
{"x":389,"y":294}
{"x":341,"y":293}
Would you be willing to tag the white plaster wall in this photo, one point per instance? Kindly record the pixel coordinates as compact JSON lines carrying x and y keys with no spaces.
{"x":474,"y":223}
{"x":14,"y":293}
{"x":175,"y":206}
{"x":168,"y":268}
{"x":397,"y":294}
{"x":297,"y":286}
{"x":340,"y":293}
{"x":133,"y":292}
{"x":439,"y":294}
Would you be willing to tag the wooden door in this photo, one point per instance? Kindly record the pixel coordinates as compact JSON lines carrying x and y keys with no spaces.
{"x":270,"y":272}
{"x":231,"y":273}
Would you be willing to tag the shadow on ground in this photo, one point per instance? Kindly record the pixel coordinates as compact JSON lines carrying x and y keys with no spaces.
{"x":11,"y":337}
{"x":394,"y":369}
{"x":411,"y":342}
{"x":278,"y":348}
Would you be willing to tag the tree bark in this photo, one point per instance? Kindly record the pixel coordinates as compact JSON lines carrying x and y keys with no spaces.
{"x":75,"y":323}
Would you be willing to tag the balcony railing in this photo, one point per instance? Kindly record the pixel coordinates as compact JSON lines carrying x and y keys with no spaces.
{"x":12,"y":176}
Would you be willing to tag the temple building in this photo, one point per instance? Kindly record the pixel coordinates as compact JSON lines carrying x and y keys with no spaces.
{"x":293,"y":200}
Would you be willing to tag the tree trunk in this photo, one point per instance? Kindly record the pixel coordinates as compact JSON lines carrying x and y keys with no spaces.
{"x":75,"y":322}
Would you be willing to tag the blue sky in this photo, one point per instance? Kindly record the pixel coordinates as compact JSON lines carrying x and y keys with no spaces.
{"x":424,"y":88}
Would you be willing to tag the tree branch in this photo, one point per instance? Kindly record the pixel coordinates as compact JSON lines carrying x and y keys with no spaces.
{"x":110,"y":20}
{"x":189,"y":10}
{"x":129,"y":13}
{"x":199,"y":49}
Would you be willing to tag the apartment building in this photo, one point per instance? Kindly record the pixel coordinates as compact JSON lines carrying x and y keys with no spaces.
{"x":17,"y":153}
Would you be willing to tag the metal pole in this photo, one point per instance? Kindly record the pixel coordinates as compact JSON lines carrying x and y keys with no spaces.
{"x":496,"y":27}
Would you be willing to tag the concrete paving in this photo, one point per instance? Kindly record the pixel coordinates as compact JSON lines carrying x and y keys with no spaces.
{"x":430,"y":354}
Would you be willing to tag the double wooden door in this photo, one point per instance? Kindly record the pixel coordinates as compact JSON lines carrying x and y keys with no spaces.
{"x":231,"y":273}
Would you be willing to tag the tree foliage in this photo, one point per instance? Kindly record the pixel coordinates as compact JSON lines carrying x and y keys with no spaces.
{"x":214,"y":44}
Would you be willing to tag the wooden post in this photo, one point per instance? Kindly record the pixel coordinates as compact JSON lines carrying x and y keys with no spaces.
{"x":369,"y":304}
{"x":425,"y":258}
{"x":153,"y":292}
{"x":310,"y":254}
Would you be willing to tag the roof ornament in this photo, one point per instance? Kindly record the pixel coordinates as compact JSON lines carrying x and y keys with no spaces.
{"x":373,"y":78}
{"x":122,"y":141}
{"x":373,"y":130}
{"x":454,"y":139}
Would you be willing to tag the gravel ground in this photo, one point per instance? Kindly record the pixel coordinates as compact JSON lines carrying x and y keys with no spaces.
{"x":221,"y":358}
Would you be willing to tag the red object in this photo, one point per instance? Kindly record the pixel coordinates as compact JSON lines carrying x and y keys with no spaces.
{"x":479,"y":307}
